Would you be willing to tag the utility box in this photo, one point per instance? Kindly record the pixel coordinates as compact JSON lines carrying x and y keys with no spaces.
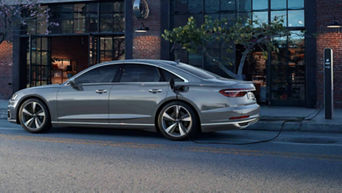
{"x":328,"y":83}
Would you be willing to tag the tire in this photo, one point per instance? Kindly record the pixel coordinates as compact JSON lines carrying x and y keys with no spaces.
{"x":178,"y":126}
{"x":34,"y":116}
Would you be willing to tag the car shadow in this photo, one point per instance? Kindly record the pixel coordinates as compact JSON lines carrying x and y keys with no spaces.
{"x":105,"y":132}
{"x":136,"y":133}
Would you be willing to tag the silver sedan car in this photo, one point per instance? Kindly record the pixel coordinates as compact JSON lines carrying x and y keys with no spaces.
{"x":173,"y":98}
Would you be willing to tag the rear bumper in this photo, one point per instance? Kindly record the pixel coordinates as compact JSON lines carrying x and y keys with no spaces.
{"x":221,"y":119}
{"x":210,"y":127}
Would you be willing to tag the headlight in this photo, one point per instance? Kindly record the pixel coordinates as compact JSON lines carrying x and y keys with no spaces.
{"x":14,"y":97}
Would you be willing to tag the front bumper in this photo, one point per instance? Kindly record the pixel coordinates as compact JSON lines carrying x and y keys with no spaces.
{"x":11,"y":112}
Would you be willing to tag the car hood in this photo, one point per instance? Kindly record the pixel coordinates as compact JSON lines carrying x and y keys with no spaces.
{"x":40,"y":87}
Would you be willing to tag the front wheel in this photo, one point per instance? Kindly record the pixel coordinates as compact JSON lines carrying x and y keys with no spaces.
{"x":34,"y":116}
{"x":178,"y":121}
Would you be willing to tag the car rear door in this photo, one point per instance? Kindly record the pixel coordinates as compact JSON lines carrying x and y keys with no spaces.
{"x":89,"y":104}
{"x":134,"y":98}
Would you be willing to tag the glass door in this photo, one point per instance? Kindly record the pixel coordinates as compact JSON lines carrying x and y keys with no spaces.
{"x":287,"y":78}
{"x":38,"y":64}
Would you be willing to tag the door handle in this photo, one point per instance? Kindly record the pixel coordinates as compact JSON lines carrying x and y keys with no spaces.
{"x":101,"y":91}
{"x":154,"y":91}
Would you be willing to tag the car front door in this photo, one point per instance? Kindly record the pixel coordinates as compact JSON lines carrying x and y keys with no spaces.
{"x":134,"y":99}
{"x":88,"y":102}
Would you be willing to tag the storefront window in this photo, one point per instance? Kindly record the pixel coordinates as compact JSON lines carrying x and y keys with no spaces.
{"x":260,"y":4}
{"x":112,"y":48}
{"x":82,"y":18}
{"x":279,"y":15}
{"x":229,"y":5}
{"x":288,"y":69}
{"x":296,"y":4}
{"x":244,"y":5}
{"x":111,"y":13}
{"x":278,"y":4}
{"x":296,"y":18}
{"x":261,"y":17}
{"x":284,"y":74}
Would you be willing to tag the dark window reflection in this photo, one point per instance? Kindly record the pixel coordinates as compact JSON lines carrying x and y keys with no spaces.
{"x":195,"y":6}
{"x":212,"y":6}
{"x":244,"y":5}
{"x":228,"y":5}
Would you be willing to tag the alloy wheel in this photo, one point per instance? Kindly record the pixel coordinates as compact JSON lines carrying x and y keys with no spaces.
{"x":177,"y":121}
{"x":33,"y":115}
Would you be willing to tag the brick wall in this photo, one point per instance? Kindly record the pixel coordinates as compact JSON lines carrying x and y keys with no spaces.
{"x":147,"y":45}
{"x":329,"y":38}
{"x":6,"y":63}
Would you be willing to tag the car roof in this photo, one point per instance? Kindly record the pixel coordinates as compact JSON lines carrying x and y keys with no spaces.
{"x":165,"y":64}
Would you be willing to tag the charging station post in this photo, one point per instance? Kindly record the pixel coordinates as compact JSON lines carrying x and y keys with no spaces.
{"x":328,"y":83}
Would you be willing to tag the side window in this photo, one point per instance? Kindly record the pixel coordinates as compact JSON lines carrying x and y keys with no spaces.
{"x":139,"y":73}
{"x":167,"y":76}
{"x":102,"y":74}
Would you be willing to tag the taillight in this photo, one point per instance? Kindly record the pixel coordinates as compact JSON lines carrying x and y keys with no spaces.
{"x":236,"y":92}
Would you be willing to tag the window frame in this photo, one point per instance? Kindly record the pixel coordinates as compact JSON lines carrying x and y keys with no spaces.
{"x":122,"y":66}
{"x":96,"y":68}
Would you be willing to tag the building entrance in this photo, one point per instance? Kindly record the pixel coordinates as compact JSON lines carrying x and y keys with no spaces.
{"x":54,"y":59}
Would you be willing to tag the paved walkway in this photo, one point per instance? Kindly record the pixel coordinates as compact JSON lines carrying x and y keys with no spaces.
{"x":3,"y":109}
{"x":272,"y":117}
{"x":312,"y":119}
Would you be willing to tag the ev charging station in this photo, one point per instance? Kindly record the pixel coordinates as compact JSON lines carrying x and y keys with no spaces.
{"x":328,"y":83}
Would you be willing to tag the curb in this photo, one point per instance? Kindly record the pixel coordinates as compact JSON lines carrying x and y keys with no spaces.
{"x":305,"y":126}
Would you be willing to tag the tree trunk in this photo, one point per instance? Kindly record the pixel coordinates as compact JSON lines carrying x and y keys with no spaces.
{"x":220,"y":65}
{"x":242,"y":63}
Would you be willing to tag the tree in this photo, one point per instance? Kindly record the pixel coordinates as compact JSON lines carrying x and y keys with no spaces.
{"x":248,"y":35}
{"x":14,"y":13}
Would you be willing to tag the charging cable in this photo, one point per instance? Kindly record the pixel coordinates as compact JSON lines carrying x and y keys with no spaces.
{"x":281,"y":129}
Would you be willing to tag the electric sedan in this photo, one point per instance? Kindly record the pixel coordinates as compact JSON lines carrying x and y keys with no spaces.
{"x":173,"y":98}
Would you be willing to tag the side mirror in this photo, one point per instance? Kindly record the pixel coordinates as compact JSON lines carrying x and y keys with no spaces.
{"x":75,"y":85}
{"x":178,"y":88}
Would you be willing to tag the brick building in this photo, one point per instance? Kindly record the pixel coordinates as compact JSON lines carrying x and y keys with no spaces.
{"x":97,"y":31}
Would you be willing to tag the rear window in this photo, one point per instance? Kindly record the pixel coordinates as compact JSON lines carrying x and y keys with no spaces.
{"x":197,"y":71}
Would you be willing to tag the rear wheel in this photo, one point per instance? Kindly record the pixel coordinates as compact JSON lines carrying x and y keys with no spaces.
{"x":178,"y":121}
{"x":34,"y":116}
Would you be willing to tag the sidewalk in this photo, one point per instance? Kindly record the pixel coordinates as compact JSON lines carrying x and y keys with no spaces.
{"x":3,"y":108}
{"x":271,"y":119}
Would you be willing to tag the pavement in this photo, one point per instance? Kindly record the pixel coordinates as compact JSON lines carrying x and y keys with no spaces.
{"x":298,"y":119}
{"x":111,"y":160}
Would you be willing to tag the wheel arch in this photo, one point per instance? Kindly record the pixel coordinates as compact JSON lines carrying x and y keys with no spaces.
{"x":37,"y":97}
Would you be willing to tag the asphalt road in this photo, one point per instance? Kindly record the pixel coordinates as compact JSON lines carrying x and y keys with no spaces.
{"x":106,"y":160}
